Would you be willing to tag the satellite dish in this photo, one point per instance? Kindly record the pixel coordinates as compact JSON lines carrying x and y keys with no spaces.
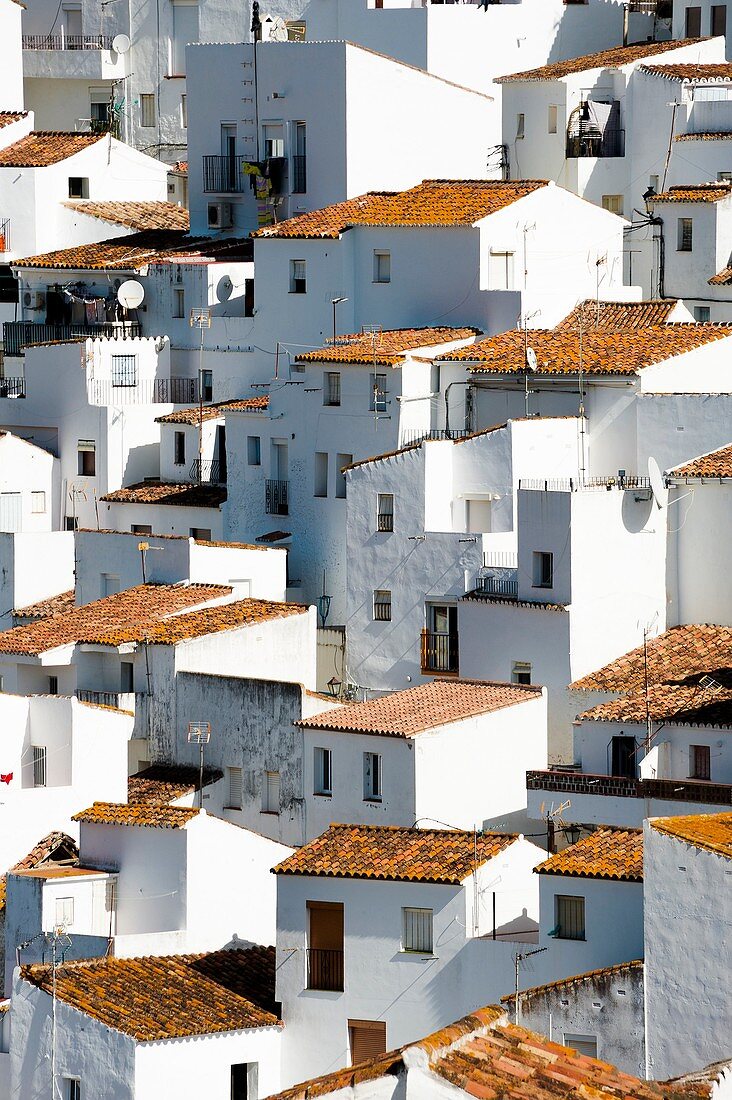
{"x":275,"y":28}
{"x":130,"y":294}
{"x":658,"y":487}
{"x":224,"y":289}
{"x":531,"y":363}
{"x":121,"y":43}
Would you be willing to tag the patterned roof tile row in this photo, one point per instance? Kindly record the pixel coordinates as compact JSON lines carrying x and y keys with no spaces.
{"x":45,"y":147}
{"x":192,"y":415}
{"x":715,"y":464}
{"x":680,"y":704}
{"x":697,"y":192}
{"x":394,"y":854}
{"x":702,"y":71}
{"x":606,"y":853}
{"x":134,"y":215}
{"x":7,"y":118}
{"x":617,"y":315}
{"x":705,"y":135}
{"x":385,"y":349}
{"x":179,"y":493}
{"x":47,"y":609}
{"x":147,"y":246}
{"x":711,"y":832}
{"x":161,"y":784}
{"x":604,"y":59}
{"x":149,"y":815}
{"x":593,"y":976}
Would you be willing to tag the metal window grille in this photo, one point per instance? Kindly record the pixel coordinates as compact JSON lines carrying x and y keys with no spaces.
{"x":124,"y":370}
{"x":39,"y":765}
{"x":323,"y":771}
{"x":417,"y":932}
{"x":385,"y":512}
{"x":701,"y":762}
{"x":332,"y":395}
{"x":570,"y":917}
{"x":382,"y":605}
{"x":235,"y":788}
{"x":685,"y":235}
{"x":372,"y":775}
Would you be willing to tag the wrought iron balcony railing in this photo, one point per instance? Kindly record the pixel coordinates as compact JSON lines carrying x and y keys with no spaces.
{"x":18,"y":335}
{"x":276,"y":497}
{"x":67,"y":41}
{"x":325,"y":969}
{"x":439,"y":652}
{"x":223,"y":174}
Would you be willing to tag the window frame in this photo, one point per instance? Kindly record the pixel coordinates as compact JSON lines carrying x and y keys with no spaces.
{"x":700,"y":763}
{"x":552,"y":121}
{"x":332,"y":389}
{"x":40,"y":769}
{"x":560,"y":933}
{"x":341,"y":482}
{"x":382,"y":265}
{"x":384,"y":517}
{"x":684,"y":234}
{"x":322,"y":772}
{"x":38,"y":496}
{"x":254,"y":450}
{"x":123,"y":370}
{"x":67,"y":904}
{"x":378,"y":392}
{"x":384,"y":617}
{"x":266,"y":792}
{"x":541,"y":576}
{"x":373,"y":776}
{"x":231,"y":779}
{"x":179,"y":448}
{"x":298,"y":277}
{"x":148,"y":110}
{"x":427,"y":914}
{"x":179,"y":303}
{"x":320,"y":474}
{"x":86,"y":447}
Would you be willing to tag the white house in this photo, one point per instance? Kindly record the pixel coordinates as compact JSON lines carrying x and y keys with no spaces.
{"x":688,"y":902}
{"x":11,"y":58}
{"x":383,"y":933}
{"x":700,"y":18}
{"x":152,"y":879}
{"x":438,"y":752}
{"x":30,"y":486}
{"x":120,"y":1027}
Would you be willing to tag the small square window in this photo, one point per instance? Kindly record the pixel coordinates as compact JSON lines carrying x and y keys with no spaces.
{"x":147,"y":110}
{"x":179,"y":444}
{"x":72,"y":1088}
{"x":382,"y":605}
{"x":702,"y":314}
{"x":382,"y":266}
{"x":385,"y":512}
{"x":298,"y":277}
{"x":124,"y":371}
{"x":87,"y":458}
{"x":613,"y":204}
{"x":38,"y":502}
{"x":141,"y":529}
{"x":569,"y":917}
{"x":372,"y":777}
{"x":520,"y":672}
{"x":254,"y":450}
{"x":684,"y":235}
{"x":64,"y":912}
{"x":323,"y":771}
{"x":693,"y":22}
{"x":520,"y":126}
{"x":543,"y":569}
{"x":179,"y":302}
{"x":78,"y":187}
{"x":200,"y":534}
{"x":378,"y":393}
{"x":417,"y":930}
{"x":39,"y":765}
{"x":500,"y":270}
{"x":583,"y":1044}
{"x":342,"y":462}
{"x":552,"y":118}
{"x":332,"y":387}
{"x":700,"y":762}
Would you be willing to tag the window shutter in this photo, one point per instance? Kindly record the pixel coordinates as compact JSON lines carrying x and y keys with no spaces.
{"x":39,"y":766}
{"x":273,"y":792}
{"x":368,"y":1039}
{"x":418,"y":930}
{"x":235,"y":788}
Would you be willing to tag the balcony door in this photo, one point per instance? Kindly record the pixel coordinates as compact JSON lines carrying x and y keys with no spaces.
{"x":622,"y":757}
{"x":325,"y":945}
{"x":440,"y":650}
{"x":228,"y":152}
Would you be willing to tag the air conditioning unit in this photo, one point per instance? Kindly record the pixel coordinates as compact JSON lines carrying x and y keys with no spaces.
{"x":34,"y":299}
{"x":219,"y":215}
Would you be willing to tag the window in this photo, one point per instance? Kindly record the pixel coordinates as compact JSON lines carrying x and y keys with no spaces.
{"x":613,"y":203}
{"x":207,"y":385}
{"x":693,"y":23}
{"x":38,"y":502}
{"x":520,"y":126}
{"x":274,"y":140}
{"x":185,"y":29}
{"x":141,"y":529}
{"x":39,"y":765}
{"x":700,"y":762}
{"x":147,"y":109}
{"x":64,"y":912}
{"x":382,"y":266}
{"x":583,"y":1044}
{"x":78,"y":187}
{"x":500,"y":270}
{"x":299,"y":161}
{"x":377,"y":386}
{"x":718,"y":22}
{"x":179,"y":448}
{"x":298,"y":277}
{"x":569,"y":917}
{"x":126,"y":676}
{"x":249,"y":297}
{"x":684,"y":235}
{"x":367,"y":1039}
{"x":320,"y":486}
{"x":200,"y":534}
{"x":382,"y":605}
{"x":233,"y":777}
{"x":702,"y":314}
{"x":124,"y":370}
{"x":71,"y":1088}
{"x":726,"y":177}
{"x":520,"y":672}
{"x":372,"y":777}
{"x":552,"y":119}
{"x":87,"y":457}
{"x":342,"y":461}
{"x":323,"y":771}
{"x":543,"y":569}
{"x":254,"y":450}
{"x":332,"y":387}
{"x":53,"y":685}
{"x":325,"y":945}
{"x":653,"y":182}
{"x":109,"y":584}
{"x":184,"y":111}
{"x":11,"y":511}
{"x":179,"y":302}
{"x":242,"y":1076}
{"x":271,"y":793}
{"x":417,"y":930}
{"x":385,"y":512}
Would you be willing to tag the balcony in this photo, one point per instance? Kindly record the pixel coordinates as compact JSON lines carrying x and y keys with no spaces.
{"x":276,"y":498}
{"x":120,"y":700}
{"x":18,"y":335}
{"x":12,"y":387}
{"x":439,"y":652}
{"x":325,"y":969}
{"x":416,"y":435}
{"x":148,"y":391}
{"x":223,"y":175}
{"x":67,"y":41}
{"x":501,"y":584}
{"x":586,"y":140}
{"x":604,"y":786}
{"x":208,"y":470}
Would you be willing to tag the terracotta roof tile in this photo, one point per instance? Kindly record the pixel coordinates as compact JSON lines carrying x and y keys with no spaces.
{"x":137,"y":249}
{"x":212,"y":412}
{"x":513,"y":601}
{"x":150,"y":815}
{"x":47,"y":609}
{"x":171,"y":996}
{"x":604,"y":352}
{"x":410,"y":712}
{"x":631,"y":968}
{"x":712,"y":832}
{"x":677,"y":704}
{"x":681,"y":655}
{"x":7,"y":118}
{"x":44,"y":147}
{"x":696,"y":192}
{"x":134,"y":215}
{"x":53,"y":849}
{"x":181,"y":493}
{"x":705,"y":135}
{"x":228,"y":616}
{"x":606,"y":853}
{"x":722,"y":278}
{"x":705,"y":71}
{"x":394,"y":854}
{"x":617,"y":315}
{"x":604,"y":59}
{"x":430,"y":203}
{"x":161,"y":784}
{"x":386,"y":349}
{"x":714,"y":464}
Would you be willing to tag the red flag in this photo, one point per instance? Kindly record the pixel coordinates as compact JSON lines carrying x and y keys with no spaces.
{"x":6,"y":778}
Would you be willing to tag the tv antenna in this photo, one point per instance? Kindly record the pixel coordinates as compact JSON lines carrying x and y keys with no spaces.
{"x":199,"y":733}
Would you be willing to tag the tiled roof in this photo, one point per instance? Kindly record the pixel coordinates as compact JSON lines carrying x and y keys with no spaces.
{"x":592,"y":976}
{"x":680,"y":704}
{"x":722,"y":278}
{"x":680,"y":655}
{"x":45,"y":147}
{"x":150,"y":815}
{"x":606,"y":853}
{"x":171,"y":996}
{"x":431,"y":203}
{"x":386,"y":349}
{"x":715,"y":464}
{"x":46,"y":609}
{"x":134,"y":215}
{"x":618,"y":315}
{"x":133,"y":251}
{"x":696,"y":192}
{"x":604,"y":59}
{"x":512,"y":601}
{"x":54,"y":848}
{"x":211,"y":412}
{"x":8,"y":117}
{"x":705,"y":135}
{"x":712,"y":832}
{"x":704,"y":71}
{"x":604,"y":352}
{"x":180,"y":493}
{"x":387,"y":454}
{"x":409,"y":712}
{"x":128,"y":616}
{"x":229,"y":616}
{"x":161,"y":784}
{"x":394,"y":854}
